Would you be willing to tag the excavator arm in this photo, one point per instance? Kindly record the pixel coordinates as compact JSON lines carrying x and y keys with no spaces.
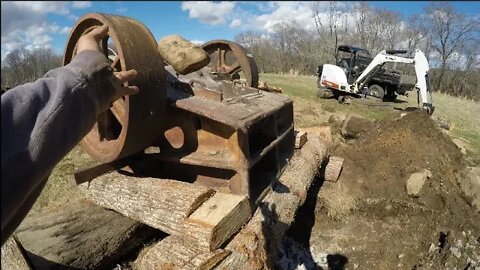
{"x":421,"y":70}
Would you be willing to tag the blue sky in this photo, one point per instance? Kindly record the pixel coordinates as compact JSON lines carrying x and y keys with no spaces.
{"x":47,"y":24}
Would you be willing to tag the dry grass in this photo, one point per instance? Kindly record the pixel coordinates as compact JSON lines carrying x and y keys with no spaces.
{"x":464,"y":113}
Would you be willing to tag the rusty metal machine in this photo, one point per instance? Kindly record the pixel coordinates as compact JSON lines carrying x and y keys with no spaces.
{"x":207,"y":126}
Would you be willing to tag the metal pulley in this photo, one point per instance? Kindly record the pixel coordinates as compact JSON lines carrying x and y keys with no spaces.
{"x":132,"y":122}
{"x":228,"y":59}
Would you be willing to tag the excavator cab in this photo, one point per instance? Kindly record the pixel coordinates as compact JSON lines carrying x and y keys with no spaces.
{"x":352,"y":60}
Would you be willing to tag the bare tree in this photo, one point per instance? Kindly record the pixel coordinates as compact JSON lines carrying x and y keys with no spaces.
{"x":449,"y":32}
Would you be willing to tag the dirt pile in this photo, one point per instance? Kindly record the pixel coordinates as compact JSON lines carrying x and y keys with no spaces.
{"x":367,"y":216}
{"x":387,"y":155}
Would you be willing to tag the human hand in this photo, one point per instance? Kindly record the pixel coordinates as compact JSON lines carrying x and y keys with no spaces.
{"x":91,"y":41}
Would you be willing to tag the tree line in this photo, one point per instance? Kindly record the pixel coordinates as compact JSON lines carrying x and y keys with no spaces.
{"x":21,"y":66}
{"x":449,"y":39}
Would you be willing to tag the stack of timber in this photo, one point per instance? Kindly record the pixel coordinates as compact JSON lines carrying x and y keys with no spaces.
{"x":207,"y":229}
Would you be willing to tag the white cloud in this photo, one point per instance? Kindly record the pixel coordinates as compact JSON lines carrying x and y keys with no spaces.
{"x":81,"y":4}
{"x":208,"y":12}
{"x":236,"y":23}
{"x":25,"y":24}
{"x":65,"y":30}
{"x":197,"y":42}
{"x":121,"y":10}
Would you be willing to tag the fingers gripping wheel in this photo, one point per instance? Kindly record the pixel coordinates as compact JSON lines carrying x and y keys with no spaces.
{"x":228,"y":59}
{"x":132,"y":122}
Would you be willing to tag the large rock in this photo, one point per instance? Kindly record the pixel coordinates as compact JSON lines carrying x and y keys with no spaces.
{"x":416,"y":181}
{"x":470,"y":185}
{"x":184,"y":56}
{"x":354,"y":125}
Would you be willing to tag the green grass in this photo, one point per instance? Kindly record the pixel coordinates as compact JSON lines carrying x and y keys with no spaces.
{"x":465,"y":114}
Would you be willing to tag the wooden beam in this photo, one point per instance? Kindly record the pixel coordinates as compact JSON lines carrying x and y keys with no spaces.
{"x":79,"y":235}
{"x":254,"y":247}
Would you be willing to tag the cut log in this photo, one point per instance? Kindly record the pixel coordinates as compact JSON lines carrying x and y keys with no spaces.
{"x":333,"y":169}
{"x":174,"y":252}
{"x":254,"y":247}
{"x":79,"y":235}
{"x":12,"y":256}
{"x":300,"y":139}
{"x":160,"y":203}
{"x":175,"y":207}
{"x":224,"y":214}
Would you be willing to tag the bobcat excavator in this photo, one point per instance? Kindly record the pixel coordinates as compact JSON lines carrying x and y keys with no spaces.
{"x":334,"y":78}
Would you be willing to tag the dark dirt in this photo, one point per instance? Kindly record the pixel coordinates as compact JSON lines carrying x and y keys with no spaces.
{"x":367,"y":216}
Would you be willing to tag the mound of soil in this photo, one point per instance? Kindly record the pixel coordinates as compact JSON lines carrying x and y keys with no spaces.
{"x":367,"y":217}
{"x":386,"y":156}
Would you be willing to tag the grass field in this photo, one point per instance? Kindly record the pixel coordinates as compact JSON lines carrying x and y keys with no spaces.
{"x":309,"y":111}
{"x":463,"y":113}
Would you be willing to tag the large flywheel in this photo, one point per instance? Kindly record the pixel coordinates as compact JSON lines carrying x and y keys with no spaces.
{"x":229,"y":59}
{"x":132,"y":122}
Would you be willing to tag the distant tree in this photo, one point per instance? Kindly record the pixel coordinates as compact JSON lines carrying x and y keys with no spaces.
{"x":449,"y":31}
{"x":21,"y":66}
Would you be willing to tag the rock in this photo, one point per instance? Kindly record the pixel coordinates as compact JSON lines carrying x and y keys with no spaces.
{"x":456,"y":252}
{"x":461,"y":145}
{"x":416,"y":182}
{"x":354,"y":125}
{"x":443,"y":123}
{"x":433,"y":248}
{"x":470,"y":185}
{"x":336,"y":119}
{"x":401,"y":255}
{"x":184,"y":56}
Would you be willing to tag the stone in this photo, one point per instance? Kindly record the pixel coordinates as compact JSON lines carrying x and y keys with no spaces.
{"x":336,"y":119}
{"x":354,"y":125}
{"x":433,"y":248}
{"x":184,"y":56}
{"x":416,"y":182}
{"x":456,"y":252}
{"x":470,"y":186}
{"x":461,"y":145}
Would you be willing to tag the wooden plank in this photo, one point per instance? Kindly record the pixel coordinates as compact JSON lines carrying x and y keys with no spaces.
{"x":174,"y":252}
{"x":12,"y":256}
{"x":225,"y":214}
{"x":79,"y":235}
{"x":254,"y":247}
{"x":300,"y":138}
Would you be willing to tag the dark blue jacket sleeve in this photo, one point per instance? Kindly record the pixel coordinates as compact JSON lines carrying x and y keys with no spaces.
{"x":41,"y":122}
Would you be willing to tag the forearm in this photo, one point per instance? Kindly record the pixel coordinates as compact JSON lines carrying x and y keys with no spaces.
{"x":42,"y":121}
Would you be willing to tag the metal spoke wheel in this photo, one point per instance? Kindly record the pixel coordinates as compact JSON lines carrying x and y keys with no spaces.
{"x":132,"y":122}
{"x":228,"y":59}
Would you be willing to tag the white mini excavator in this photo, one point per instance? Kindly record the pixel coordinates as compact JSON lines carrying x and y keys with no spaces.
{"x":334,"y":77}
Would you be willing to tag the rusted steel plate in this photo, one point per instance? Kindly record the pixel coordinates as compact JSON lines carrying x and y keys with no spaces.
{"x":133,"y":122}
